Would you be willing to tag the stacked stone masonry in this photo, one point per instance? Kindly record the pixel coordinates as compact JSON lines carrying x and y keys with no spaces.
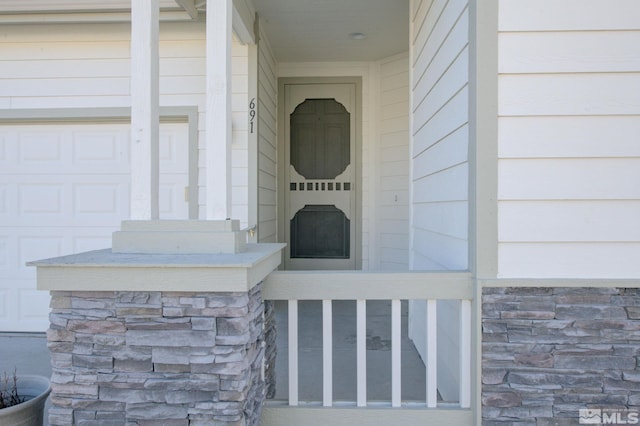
{"x":156,"y":358}
{"x":549,"y":352}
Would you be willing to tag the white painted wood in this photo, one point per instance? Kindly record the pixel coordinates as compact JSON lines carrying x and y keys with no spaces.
{"x":447,"y":185}
{"x":267,"y":141}
{"x":396,"y":355}
{"x":243,"y":17}
{"x":145,"y":104}
{"x":533,"y":15}
{"x":430,"y":69}
{"x":569,"y":51}
{"x":218,"y":108}
{"x":446,"y":153}
{"x":361,"y":352}
{"x":327,"y":354}
{"x":570,"y":137}
{"x":442,"y":251}
{"x":569,"y":260}
{"x":452,"y":81}
{"x":71,"y":5}
{"x":351,"y":285}
{"x":445,"y":218}
{"x":431,"y":360}
{"x":393,"y":175}
{"x":465,"y":353}
{"x":189,"y":6}
{"x":569,"y":123}
{"x":293,"y":352}
{"x":569,"y":221}
{"x":450,"y":117}
{"x":280,"y":415}
{"x":578,"y":179}
{"x":569,"y":94}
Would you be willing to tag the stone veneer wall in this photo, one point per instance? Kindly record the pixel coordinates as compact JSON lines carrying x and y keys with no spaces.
{"x":548,"y":352}
{"x":156,"y":358}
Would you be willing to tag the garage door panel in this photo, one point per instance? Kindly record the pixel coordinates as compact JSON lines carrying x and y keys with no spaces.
{"x":100,"y":201}
{"x":44,"y":149}
{"x":64,"y":188}
{"x":4,"y":205}
{"x":102,"y":150}
{"x":37,"y":199}
{"x":4,"y":253}
{"x":172,"y":154}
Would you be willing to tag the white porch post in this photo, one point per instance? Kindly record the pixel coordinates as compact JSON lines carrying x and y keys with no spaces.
{"x":218,"y":113}
{"x":145,"y":100}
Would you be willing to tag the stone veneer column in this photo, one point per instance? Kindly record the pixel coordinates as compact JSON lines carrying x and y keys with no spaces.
{"x":142,"y":338}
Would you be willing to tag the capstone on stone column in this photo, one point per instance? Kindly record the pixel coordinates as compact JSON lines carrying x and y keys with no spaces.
{"x":165,"y":328}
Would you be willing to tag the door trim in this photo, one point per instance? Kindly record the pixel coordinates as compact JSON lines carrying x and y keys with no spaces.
{"x":282,"y":222}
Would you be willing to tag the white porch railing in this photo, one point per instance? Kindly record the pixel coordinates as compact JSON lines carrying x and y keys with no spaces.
{"x":360,"y":286}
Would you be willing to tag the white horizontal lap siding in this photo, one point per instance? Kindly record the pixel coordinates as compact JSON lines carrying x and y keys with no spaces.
{"x":88,"y":65}
{"x":240,"y":133}
{"x":393,"y":154}
{"x":439,"y":151}
{"x":569,"y":160}
{"x":439,"y":167}
{"x":267,"y":142}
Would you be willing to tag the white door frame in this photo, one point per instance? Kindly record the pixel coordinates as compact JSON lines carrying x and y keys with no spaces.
{"x":357,"y":161}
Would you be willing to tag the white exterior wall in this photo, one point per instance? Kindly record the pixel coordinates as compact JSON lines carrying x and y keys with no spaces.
{"x":439,"y":151}
{"x":267,"y":142}
{"x":569,"y":157}
{"x":392,"y":179}
{"x":439,"y":167}
{"x":88,"y":65}
{"x":240,"y":133}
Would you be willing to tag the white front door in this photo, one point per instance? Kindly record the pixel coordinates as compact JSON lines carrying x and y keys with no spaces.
{"x":320,"y":176}
{"x":64,"y":188}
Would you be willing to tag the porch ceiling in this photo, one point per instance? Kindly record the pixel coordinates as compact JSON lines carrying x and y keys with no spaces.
{"x":298,"y":30}
{"x":312,"y":30}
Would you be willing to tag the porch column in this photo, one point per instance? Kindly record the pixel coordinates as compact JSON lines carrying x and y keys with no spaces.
{"x":145,"y":100}
{"x":218,"y":113}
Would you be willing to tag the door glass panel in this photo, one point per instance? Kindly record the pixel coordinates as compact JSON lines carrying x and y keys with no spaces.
{"x":320,"y":232}
{"x":320,"y":139}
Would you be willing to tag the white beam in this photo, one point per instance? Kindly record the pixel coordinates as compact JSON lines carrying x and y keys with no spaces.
{"x":189,"y":6}
{"x":218,"y":113}
{"x":145,"y":106}
{"x":243,"y":22}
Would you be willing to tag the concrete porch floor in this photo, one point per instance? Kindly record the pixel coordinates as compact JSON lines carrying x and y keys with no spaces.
{"x":28,"y":353}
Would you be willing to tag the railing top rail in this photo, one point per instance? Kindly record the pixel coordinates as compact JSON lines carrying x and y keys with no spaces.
{"x":370,"y":285}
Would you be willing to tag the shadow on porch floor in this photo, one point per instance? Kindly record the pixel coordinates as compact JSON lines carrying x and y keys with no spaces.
{"x":344,"y":353}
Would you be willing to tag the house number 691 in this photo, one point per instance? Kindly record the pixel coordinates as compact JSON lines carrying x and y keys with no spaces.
{"x":252,"y":113}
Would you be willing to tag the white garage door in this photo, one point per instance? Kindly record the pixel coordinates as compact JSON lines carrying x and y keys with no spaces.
{"x":64,"y":188}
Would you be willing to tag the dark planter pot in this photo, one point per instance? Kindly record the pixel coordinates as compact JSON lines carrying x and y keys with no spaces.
{"x":29,"y":413}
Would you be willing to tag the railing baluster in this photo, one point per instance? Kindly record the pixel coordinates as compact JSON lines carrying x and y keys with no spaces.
{"x":432,"y":354}
{"x":293,"y":352}
{"x":327,"y":354}
{"x":361,"y":349}
{"x":465,"y":354}
{"x":396,"y":359}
